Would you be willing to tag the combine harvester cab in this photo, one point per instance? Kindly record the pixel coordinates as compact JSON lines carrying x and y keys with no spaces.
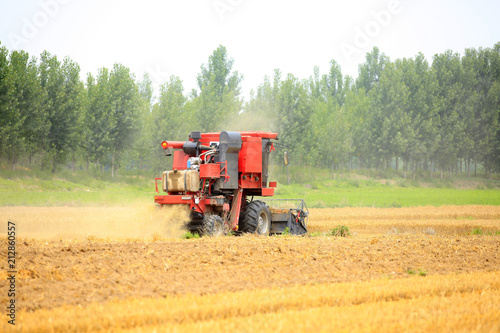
{"x":218,"y":175}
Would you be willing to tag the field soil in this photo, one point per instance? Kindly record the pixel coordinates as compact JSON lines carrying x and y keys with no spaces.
{"x":72,"y":259}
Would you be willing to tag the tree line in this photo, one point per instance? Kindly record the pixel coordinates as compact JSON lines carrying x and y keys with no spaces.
{"x":405,"y":114}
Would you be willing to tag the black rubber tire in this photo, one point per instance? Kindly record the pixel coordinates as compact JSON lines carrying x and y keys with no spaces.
{"x":195,"y":224}
{"x":249,"y":219}
{"x":212,"y":226}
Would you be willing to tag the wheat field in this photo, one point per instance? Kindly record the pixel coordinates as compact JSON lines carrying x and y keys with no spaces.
{"x":126,"y":269}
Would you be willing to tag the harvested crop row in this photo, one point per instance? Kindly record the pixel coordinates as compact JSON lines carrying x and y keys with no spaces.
{"x":430,"y":220}
{"x":55,"y":273}
{"x":448,"y":302}
{"x":145,"y":221}
{"x":410,"y":213}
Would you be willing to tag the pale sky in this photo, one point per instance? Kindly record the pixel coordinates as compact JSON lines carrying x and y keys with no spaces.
{"x":175,"y":37}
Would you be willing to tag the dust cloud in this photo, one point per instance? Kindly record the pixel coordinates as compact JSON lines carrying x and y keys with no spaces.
{"x":135,"y":222}
{"x":250,"y":121}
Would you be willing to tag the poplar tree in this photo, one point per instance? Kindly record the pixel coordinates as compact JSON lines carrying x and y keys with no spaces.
{"x":99,"y":118}
{"x":11,"y":120}
{"x":219,"y":86}
{"x":125,"y":112}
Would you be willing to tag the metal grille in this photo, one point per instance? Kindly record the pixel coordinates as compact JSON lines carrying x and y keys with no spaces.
{"x":296,"y":204}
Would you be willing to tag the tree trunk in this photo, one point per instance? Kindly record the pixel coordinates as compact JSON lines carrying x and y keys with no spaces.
{"x":113,"y":165}
{"x":405,"y":167}
{"x":450,"y":172}
{"x":288,"y":174}
{"x":397,"y":164}
{"x":333,"y":173}
{"x":431,"y":167}
{"x":414,"y":169}
{"x":475,"y":169}
{"x":441,"y":173}
{"x":42,"y":163}
{"x":468,"y":167}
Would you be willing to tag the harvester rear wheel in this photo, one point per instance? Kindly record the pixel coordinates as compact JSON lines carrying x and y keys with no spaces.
{"x":195,"y":223}
{"x":256,"y":219}
{"x":213,"y":226}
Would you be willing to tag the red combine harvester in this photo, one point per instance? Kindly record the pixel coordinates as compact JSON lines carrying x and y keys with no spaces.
{"x":218,"y":175}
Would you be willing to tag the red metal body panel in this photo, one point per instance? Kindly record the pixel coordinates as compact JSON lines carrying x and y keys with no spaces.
{"x":180,"y":160}
{"x":250,"y":157}
{"x":210,"y":171}
{"x":267,"y":135}
{"x":189,"y":199}
{"x":206,"y":138}
{"x":213,"y":201}
{"x":268,"y":192}
{"x":173,"y":199}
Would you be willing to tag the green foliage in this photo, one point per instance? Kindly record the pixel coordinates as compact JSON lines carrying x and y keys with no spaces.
{"x":397,"y":117}
{"x":476,"y":231}
{"x":44,"y":188}
{"x":294,"y":112}
{"x":395,"y":204}
{"x":190,"y":235}
{"x":220,"y":87}
{"x":390,"y":116}
{"x":422,"y":272}
{"x":286,"y":232}
{"x":350,"y":191}
{"x":340,"y":231}
{"x":124,"y":112}
{"x":38,"y":187}
{"x":171,"y":119}
{"x":65,"y":105}
{"x":372,"y":69}
{"x":479,"y":231}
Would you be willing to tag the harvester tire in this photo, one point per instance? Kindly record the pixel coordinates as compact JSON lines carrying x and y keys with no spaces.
{"x":213,"y":226}
{"x":256,"y":219}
